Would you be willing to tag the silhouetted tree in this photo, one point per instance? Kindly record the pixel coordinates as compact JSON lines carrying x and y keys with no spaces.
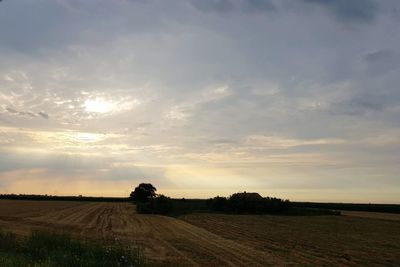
{"x":143,"y":193}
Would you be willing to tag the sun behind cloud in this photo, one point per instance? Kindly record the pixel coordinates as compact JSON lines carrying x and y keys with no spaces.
{"x":99,"y":105}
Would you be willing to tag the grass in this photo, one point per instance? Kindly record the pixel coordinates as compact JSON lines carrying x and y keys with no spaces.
{"x":42,"y":249}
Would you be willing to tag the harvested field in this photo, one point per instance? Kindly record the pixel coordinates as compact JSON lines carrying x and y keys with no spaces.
{"x":216,"y":240}
{"x":311,"y":240}
{"x":165,"y":239}
{"x":373,"y":215}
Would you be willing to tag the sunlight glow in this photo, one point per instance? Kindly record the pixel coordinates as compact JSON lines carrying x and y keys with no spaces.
{"x":98,"y":105}
{"x":87,"y":137}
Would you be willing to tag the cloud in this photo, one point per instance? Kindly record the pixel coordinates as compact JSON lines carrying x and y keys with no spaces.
{"x":64,"y":172}
{"x":184,"y":110}
{"x":27,"y":36}
{"x":11,"y":110}
{"x":227,"y":6}
{"x":258,"y":92}
{"x":222,"y":6}
{"x":259,"y":5}
{"x":349,"y":10}
{"x":379,"y":55}
{"x":21,"y":113}
{"x":263,"y":141}
{"x":381,"y":62}
{"x":43,"y":114}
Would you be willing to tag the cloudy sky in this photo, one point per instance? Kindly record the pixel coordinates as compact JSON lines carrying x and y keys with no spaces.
{"x":294,"y":99}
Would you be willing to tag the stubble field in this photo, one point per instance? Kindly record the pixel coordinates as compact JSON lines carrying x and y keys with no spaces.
{"x":216,"y":240}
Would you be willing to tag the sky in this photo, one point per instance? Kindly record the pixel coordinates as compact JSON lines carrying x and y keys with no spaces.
{"x":293,"y":99}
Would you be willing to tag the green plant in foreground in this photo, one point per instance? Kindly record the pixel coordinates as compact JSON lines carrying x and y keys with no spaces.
{"x":42,"y":249}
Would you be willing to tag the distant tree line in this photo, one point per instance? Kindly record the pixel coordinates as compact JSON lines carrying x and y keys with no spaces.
{"x":147,"y":201}
{"x":390,"y":208}
{"x":251,"y":203}
{"x":62,"y":198}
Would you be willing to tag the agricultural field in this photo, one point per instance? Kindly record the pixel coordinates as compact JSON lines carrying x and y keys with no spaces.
{"x":373,"y":215}
{"x":311,"y":240}
{"x":213,"y":239}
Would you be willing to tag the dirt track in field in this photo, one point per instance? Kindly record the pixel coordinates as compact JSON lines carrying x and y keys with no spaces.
{"x":164,"y":239}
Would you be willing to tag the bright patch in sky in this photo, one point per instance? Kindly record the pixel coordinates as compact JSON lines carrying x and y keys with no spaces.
{"x":99,"y":105}
{"x":87,"y":137}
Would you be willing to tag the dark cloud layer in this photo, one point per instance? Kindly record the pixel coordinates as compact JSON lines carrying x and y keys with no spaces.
{"x":349,"y":10}
{"x":343,"y":10}
{"x":21,"y":113}
{"x":43,"y":114}
{"x":227,"y":6}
